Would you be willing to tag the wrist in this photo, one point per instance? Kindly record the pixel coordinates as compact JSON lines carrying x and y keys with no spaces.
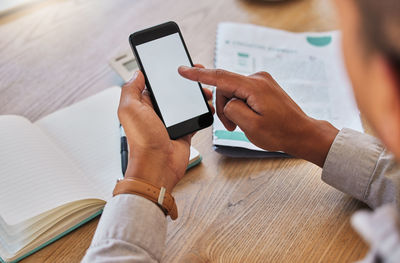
{"x":152,"y":170}
{"x":162,"y":198}
{"x":313,"y":141}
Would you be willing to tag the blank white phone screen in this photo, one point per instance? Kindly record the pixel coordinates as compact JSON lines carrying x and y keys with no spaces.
{"x":178,"y":99}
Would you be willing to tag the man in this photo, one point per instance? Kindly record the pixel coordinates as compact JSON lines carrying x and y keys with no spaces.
{"x":132,"y":228}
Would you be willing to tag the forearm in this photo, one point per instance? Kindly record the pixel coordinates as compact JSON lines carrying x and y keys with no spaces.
{"x":312,"y":141}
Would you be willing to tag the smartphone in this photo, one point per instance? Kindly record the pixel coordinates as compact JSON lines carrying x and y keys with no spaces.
{"x":180,"y":103}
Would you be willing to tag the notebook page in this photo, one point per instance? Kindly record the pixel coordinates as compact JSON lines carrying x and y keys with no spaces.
{"x":35,"y":176}
{"x":88,"y":132}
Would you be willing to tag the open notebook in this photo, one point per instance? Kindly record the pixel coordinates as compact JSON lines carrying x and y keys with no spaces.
{"x":57,"y":173}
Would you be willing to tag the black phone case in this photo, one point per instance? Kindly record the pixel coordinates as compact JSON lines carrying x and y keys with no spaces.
{"x":186,"y":127}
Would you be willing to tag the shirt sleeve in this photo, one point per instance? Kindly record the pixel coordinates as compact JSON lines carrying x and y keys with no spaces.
{"x":359,"y":165}
{"x":131,"y":229}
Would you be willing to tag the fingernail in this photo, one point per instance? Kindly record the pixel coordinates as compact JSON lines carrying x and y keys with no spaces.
{"x":184,"y":68}
{"x":135,"y":74}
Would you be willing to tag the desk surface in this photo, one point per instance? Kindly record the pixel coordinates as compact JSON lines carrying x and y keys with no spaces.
{"x":56,"y":52}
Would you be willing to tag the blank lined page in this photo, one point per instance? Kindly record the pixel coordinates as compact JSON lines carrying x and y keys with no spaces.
{"x":35,"y":176}
{"x":88,"y":132}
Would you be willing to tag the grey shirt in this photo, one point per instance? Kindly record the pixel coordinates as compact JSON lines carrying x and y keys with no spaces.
{"x":133,"y":229}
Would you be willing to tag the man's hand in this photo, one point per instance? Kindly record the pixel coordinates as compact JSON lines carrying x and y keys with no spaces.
{"x":154,"y":157}
{"x":266,"y":114}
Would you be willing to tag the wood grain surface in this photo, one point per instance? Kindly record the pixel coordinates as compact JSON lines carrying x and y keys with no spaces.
{"x":56,"y":52}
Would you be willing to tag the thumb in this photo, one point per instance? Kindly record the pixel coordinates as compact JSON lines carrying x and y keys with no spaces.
{"x":134,"y":88}
{"x":131,"y":94}
{"x":238,"y":112}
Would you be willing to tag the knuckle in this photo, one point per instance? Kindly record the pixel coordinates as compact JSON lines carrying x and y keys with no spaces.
{"x":262,"y":78}
{"x":220,"y":76}
{"x":197,"y":71}
{"x":122,"y":111}
{"x":219,"y":72}
{"x":124,"y":108}
{"x":262,"y":81}
{"x":263,"y":74}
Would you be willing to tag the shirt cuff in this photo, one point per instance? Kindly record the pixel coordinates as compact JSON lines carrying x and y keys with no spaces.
{"x":351,"y":162}
{"x":135,"y":220}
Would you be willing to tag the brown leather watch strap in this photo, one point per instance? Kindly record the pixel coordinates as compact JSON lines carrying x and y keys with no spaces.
{"x":148,"y":191}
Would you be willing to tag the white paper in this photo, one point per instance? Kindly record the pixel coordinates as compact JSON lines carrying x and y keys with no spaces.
{"x":35,"y":176}
{"x":88,"y":132}
{"x":308,"y":66}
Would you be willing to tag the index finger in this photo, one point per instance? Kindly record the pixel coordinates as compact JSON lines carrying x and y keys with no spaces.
{"x":228,"y":83}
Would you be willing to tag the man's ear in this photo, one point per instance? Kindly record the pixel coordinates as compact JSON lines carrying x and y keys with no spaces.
{"x":387,"y":85}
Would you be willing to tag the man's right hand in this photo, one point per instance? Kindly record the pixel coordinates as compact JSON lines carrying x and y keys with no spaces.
{"x":265,"y":113}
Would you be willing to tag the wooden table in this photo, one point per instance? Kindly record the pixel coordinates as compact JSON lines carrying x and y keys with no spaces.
{"x":55,"y":53}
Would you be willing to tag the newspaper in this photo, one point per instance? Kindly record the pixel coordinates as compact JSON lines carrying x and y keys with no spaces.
{"x":308,"y":66}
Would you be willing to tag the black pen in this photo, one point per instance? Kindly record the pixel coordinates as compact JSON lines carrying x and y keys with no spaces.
{"x":124,"y":150}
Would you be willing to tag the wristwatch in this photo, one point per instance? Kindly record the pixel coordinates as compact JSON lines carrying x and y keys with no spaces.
{"x":147,"y":190}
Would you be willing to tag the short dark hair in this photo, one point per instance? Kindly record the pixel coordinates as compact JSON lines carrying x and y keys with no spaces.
{"x":381,"y":28}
